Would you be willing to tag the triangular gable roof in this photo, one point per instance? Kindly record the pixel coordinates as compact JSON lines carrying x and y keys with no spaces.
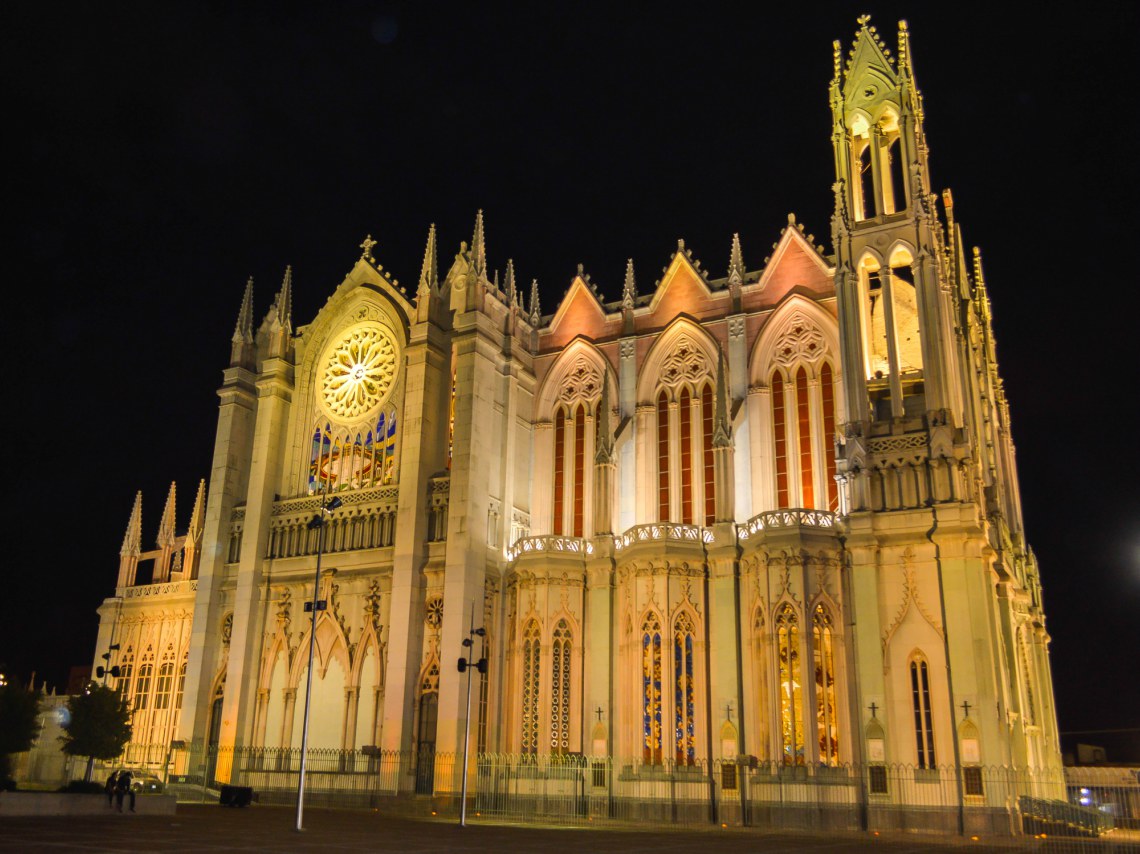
{"x":868,"y":59}
{"x":678,"y":264}
{"x":792,"y":240}
{"x":580,"y":302}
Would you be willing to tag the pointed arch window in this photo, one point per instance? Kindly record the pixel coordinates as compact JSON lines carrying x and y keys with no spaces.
{"x":663,"y":513}
{"x":164,"y":685}
{"x":142,"y":687}
{"x":579,"y":468}
{"x":823,"y":650}
{"x":803,"y":422}
{"x":559,"y":468}
{"x":923,"y":717}
{"x":560,"y":688}
{"x":340,"y":460}
{"x":686,"y":457}
{"x":531,"y":653}
{"x":790,"y":687}
{"x":651,"y":753}
{"x":684,"y":735}
{"x":827,"y":390}
{"x":780,"y":432}
{"x":707,"y":454}
{"x":181,"y":685}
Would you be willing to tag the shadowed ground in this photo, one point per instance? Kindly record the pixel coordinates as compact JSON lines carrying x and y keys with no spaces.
{"x":262,"y":829}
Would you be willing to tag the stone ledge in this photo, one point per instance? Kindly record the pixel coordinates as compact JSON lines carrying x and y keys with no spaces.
{"x":60,"y":803}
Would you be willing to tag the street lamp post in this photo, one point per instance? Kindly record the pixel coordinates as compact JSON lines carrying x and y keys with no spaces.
{"x":481,"y":666}
{"x":318,"y":522}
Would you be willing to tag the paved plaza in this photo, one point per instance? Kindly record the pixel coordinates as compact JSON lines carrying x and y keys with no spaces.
{"x":210,"y":828}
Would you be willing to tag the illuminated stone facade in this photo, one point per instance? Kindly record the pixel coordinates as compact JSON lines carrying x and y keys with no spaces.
{"x":772,"y":513}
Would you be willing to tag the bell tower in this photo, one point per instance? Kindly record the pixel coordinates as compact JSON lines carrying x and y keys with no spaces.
{"x":896,"y":316}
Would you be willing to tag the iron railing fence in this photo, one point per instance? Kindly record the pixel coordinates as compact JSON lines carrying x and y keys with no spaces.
{"x":1071,"y":806}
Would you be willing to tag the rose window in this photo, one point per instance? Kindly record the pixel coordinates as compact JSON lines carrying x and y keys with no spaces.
{"x":359,"y":372}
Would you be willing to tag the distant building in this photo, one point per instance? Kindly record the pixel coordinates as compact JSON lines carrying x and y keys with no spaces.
{"x":772,"y":512}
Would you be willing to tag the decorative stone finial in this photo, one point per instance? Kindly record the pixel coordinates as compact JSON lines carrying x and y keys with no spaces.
{"x":367,"y":245}
{"x":629,"y":288}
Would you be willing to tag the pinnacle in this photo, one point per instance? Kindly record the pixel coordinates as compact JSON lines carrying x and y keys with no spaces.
{"x":535,"y":308}
{"x":285,"y":299}
{"x":197,"y":514}
{"x":243,"y":329}
{"x":132,"y":540}
{"x":629,"y":287}
{"x":736,"y":262}
{"x":479,"y":246}
{"x":509,"y":283}
{"x":429,"y":273}
{"x":166,"y":524}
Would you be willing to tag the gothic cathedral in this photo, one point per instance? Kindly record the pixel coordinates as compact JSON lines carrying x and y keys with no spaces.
{"x":772,"y":514}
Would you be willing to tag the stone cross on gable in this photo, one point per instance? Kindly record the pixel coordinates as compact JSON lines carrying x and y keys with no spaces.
{"x":367,"y":245}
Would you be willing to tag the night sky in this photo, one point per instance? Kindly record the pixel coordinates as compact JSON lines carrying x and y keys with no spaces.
{"x":159,"y":154}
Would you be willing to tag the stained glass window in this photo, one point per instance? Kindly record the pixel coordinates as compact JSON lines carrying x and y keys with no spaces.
{"x":651,"y":690}
{"x":560,"y":689}
{"x":803,"y":420}
{"x":683,"y":704}
{"x":579,"y":468}
{"x":353,"y":461}
{"x":780,"y":431}
{"x":530,"y":685}
{"x":791,"y":686}
{"x":826,"y":707}
{"x":827,"y":389}
{"x":559,"y":467}
{"x":142,"y":687}
{"x":707,"y":448}
{"x":662,"y":458}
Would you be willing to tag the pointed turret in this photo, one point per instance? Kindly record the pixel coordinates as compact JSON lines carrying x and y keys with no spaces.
{"x":535,"y":308}
{"x":479,"y":248}
{"x":278,"y":323}
{"x":132,"y":540}
{"x":132,"y":545}
{"x":189,"y":564}
{"x":166,"y":523}
{"x":241,"y":349}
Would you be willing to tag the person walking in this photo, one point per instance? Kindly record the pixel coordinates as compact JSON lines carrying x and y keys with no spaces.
{"x":123,"y":789}
{"x":109,"y":788}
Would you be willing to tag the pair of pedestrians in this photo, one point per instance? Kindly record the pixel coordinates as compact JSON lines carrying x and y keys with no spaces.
{"x":118,"y":788}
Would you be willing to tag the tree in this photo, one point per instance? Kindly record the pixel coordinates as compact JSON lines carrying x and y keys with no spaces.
{"x":99,"y":725}
{"x":19,"y":724}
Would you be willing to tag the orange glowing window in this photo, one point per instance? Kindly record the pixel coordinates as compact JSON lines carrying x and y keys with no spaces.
{"x":686,"y":458}
{"x":559,"y":467}
{"x":662,"y":458}
{"x":707,"y":449}
{"x":827,"y":388}
{"x":780,"y":430}
{"x":579,"y":467}
{"x":803,"y":419}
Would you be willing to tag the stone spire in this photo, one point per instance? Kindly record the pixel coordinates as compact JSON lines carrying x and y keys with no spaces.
{"x":509,"y":285}
{"x":735,"y":263}
{"x":629,"y":288}
{"x":241,"y":344}
{"x":722,"y":430}
{"x":605,"y":433}
{"x":198,"y":514}
{"x":279,"y":321}
{"x":535,"y":308}
{"x":132,"y":541}
{"x":479,"y":248}
{"x":189,"y":563}
{"x":132,"y":546}
{"x":166,"y":524}
{"x":429,"y":273}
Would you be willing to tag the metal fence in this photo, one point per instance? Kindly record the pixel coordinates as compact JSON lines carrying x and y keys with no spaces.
{"x":1074,"y":805}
